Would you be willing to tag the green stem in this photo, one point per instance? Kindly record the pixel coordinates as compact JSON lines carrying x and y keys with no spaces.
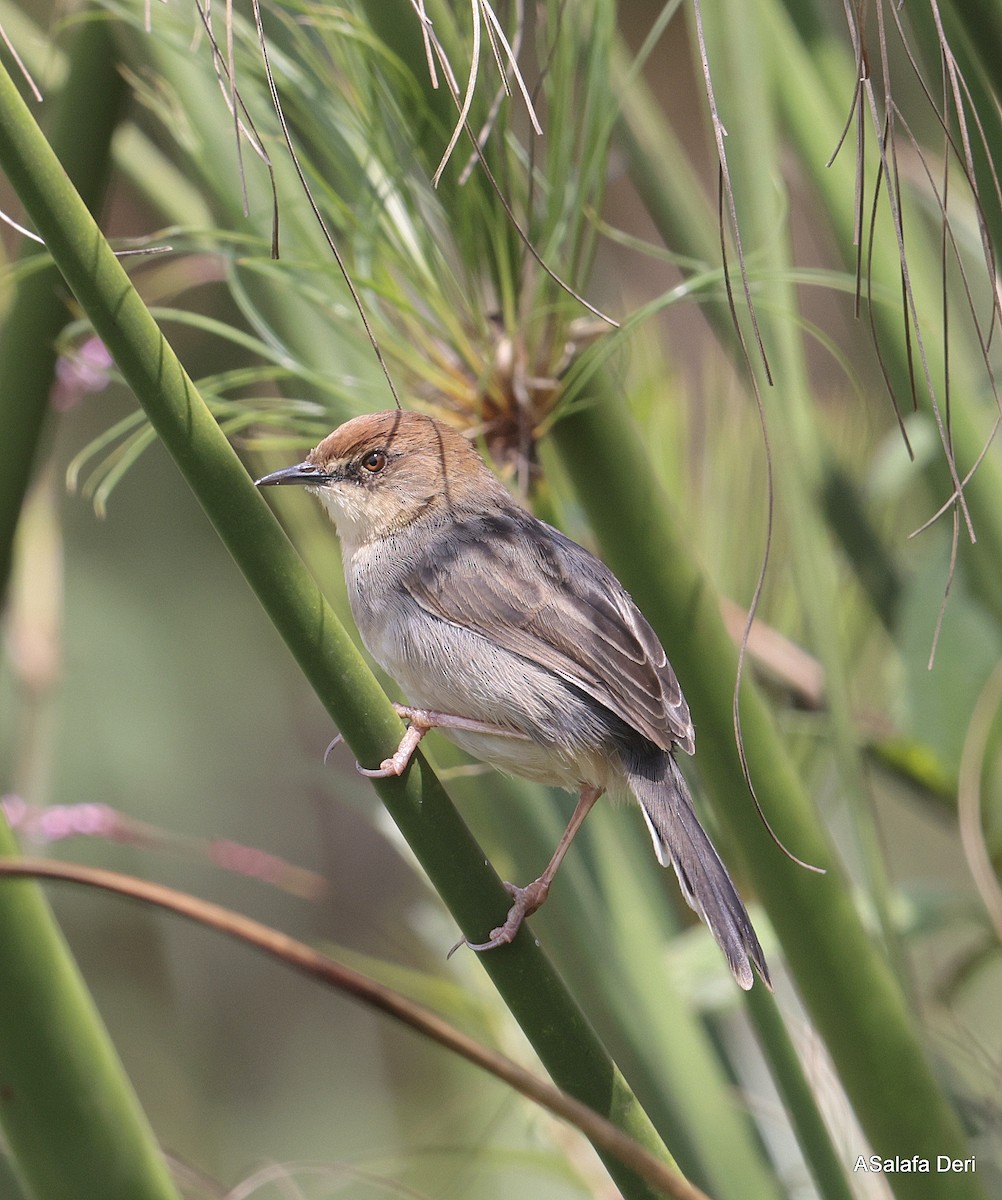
{"x":845,"y":983}
{"x":798,"y":1098}
{"x":86,"y":113}
{"x":70,"y":1117}
{"x":737,"y":49}
{"x":673,"y":196}
{"x":559,"y":1032}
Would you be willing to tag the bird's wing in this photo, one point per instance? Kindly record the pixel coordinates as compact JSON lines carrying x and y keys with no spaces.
{"x":560,"y":607}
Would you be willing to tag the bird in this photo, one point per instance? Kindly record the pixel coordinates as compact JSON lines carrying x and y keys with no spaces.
{"x":518,"y":644}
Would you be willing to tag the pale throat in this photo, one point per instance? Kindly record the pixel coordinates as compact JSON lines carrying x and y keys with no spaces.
{"x":361,"y":516}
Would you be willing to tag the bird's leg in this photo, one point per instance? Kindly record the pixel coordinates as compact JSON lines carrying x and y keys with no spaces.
{"x":529,"y":898}
{"x":419,"y":721}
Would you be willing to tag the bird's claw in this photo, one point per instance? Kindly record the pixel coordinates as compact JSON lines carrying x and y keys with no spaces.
{"x":419,"y":722}
{"x":387,"y":769}
{"x":397,"y":763}
{"x":526,"y":901}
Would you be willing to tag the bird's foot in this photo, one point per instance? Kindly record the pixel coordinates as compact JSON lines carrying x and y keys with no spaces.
{"x":526,"y":901}
{"x":419,"y":722}
{"x":398,"y":762}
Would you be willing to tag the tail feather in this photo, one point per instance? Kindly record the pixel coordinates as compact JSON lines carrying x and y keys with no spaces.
{"x":680,"y":840}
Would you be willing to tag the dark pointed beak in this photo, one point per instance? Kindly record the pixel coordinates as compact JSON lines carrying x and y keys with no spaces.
{"x":304,"y":472}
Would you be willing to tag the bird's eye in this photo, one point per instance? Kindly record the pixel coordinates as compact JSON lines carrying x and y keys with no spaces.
{"x":374,"y":461}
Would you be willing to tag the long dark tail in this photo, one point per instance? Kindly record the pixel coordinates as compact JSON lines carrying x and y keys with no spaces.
{"x":680,"y":840}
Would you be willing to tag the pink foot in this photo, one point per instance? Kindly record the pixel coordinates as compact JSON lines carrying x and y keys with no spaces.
{"x":526,"y":901}
{"x":419,"y":721}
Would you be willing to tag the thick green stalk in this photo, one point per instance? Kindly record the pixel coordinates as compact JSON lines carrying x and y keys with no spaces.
{"x":73,"y":1125}
{"x":737,"y":52}
{"x":846,"y":985}
{"x":799,"y":1100}
{"x":86,"y":113}
{"x":559,"y":1032}
{"x":608,"y":922}
{"x":672,"y":194}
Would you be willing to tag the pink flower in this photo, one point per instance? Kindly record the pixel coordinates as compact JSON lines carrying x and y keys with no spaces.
{"x":85,"y":370}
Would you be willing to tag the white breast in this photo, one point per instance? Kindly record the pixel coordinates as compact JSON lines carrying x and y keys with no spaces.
{"x":449,"y":669}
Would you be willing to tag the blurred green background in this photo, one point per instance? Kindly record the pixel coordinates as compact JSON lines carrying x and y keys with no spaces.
{"x":140,"y":672}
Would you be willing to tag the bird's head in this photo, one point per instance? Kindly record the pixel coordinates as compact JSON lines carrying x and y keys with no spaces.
{"x":378,"y":473}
